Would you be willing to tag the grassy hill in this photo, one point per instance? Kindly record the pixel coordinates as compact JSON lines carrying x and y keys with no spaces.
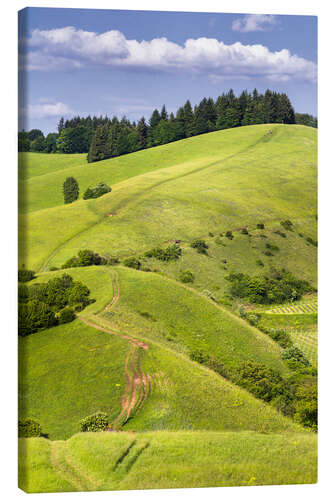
{"x":108,"y":461}
{"x":239,"y":183}
{"x":171,"y":320}
{"x":129,"y":353}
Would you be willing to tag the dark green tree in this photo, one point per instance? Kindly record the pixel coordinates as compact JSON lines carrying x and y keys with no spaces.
{"x":70,"y":190}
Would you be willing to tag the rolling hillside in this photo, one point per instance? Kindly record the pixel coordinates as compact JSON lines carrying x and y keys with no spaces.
{"x":133,"y":352}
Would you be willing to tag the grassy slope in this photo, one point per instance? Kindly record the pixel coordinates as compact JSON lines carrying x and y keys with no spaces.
{"x":188,"y":200}
{"x":67,"y":373}
{"x":106,"y":461}
{"x":211,"y":402}
{"x":53,"y":169}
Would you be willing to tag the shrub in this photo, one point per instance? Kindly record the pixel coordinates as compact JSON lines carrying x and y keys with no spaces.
{"x":294,"y":357}
{"x":85,"y":258}
{"x":96,"y":191}
{"x":200,"y":246}
{"x":29,"y":428}
{"x":244,"y":231}
{"x":199,"y":356}
{"x":229,"y":235}
{"x":301,"y":235}
{"x":263,"y":382}
{"x":287,"y":224}
{"x":33,"y":316}
{"x":307,"y":405}
{"x":260,"y":263}
{"x":94,"y":423}
{"x":253,"y":318}
{"x":25,"y":275}
{"x":132,"y":262}
{"x":53,"y":268}
{"x":242,"y":312}
{"x":172,"y":252}
{"x":66,"y":316}
{"x":211,"y":235}
{"x":268,"y":253}
{"x":261,"y":225}
{"x":70,"y":190}
{"x":279,"y":286}
{"x":186,"y":277}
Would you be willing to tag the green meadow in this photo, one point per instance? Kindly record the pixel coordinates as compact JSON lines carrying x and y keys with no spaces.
{"x":131,"y":352}
{"x":102,"y":461}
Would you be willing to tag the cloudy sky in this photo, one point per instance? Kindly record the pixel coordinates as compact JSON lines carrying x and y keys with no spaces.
{"x":80,"y":61}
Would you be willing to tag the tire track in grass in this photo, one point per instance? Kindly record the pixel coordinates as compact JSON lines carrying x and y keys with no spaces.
{"x":62,"y":468}
{"x":136,"y":381}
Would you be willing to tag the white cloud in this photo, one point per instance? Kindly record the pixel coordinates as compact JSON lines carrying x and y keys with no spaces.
{"x":48,"y":109}
{"x":254,"y":22}
{"x":68,"y":48}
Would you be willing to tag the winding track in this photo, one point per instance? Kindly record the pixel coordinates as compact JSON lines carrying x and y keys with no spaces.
{"x":138,"y":385}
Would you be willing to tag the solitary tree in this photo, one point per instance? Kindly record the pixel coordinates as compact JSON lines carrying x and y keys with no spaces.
{"x":71,"y":190}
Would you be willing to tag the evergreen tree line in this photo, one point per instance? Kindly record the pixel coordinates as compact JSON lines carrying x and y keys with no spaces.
{"x":102,"y":137}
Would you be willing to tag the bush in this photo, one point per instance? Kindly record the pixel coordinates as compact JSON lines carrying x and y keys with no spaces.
{"x":307,"y":405}
{"x":25,"y":275}
{"x":94,"y":423}
{"x":278,"y":287}
{"x":70,"y":190}
{"x":244,"y":231}
{"x":260,"y":263}
{"x":211,"y":235}
{"x":29,"y":428}
{"x":261,"y":225}
{"x":218,"y":241}
{"x":200,"y":246}
{"x":294,"y":357}
{"x":199,"y":356}
{"x":132,"y":262}
{"x":229,"y":235}
{"x":22,"y":292}
{"x":66,"y":316}
{"x":263,"y":382}
{"x":287,"y":224}
{"x":33,"y":316}
{"x":53,"y":268}
{"x":186,"y":277}
{"x":85,"y":258}
{"x":96,"y":191}
{"x":172,"y":252}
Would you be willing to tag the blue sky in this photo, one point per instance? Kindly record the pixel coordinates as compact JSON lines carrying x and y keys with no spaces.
{"x":80,"y":61}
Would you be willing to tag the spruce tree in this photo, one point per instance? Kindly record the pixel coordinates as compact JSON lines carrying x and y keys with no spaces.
{"x":188,"y":119}
{"x":142,"y":130}
{"x":70,"y":190}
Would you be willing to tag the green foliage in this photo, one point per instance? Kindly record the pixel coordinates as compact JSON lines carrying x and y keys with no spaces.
{"x":132,"y":262}
{"x":260,"y":225}
{"x":96,"y":191}
{"x":186,"y":277}
{"x":229,"y":235}
{"x":294,"y":357}
{"x":94,"y":423}
{"x":172,"y":252}
{"x":272,"y":247}
{"x":200,"y":246}
{"x":29,"y":428}
{"x":263,"y":382}
{"x":25,"y":275}
{"x":70,"y":190}
{"x":307,"y":405}
{"x":41,"y":301}
{"x":244,"y":231}
{"x":66,"y":316}
{"x":199,"y":356}
{"x":278,"y":287}
{"x":260,"y":263}
{"x":87,"y":258}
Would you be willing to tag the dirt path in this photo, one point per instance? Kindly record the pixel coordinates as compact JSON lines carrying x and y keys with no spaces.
{"x":137,"y":383}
